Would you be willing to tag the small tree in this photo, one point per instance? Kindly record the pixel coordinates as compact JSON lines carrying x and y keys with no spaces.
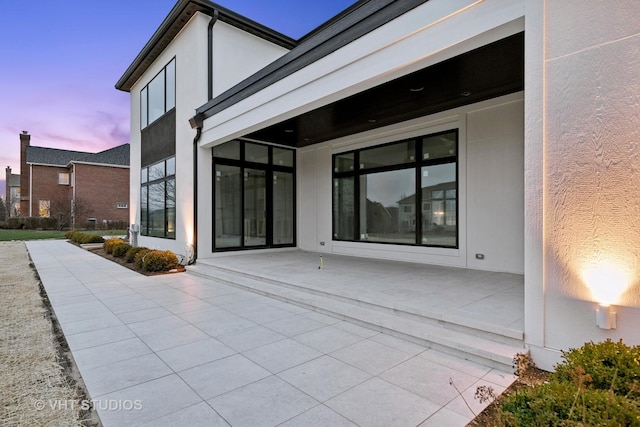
{"x":4,"y":211}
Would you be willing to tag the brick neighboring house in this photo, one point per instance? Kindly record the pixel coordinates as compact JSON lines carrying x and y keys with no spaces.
{"x":78,"y":187}
{"x":12,"y":196}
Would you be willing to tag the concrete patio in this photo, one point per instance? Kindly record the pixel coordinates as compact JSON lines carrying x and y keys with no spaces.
{"x":195,"y":350}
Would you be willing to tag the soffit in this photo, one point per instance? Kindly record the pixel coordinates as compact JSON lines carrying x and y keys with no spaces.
{"x":487,"y":72}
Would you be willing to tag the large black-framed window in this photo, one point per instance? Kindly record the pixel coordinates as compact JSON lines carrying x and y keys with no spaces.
{"x":253,"y":196}
{"x":403,"y":193}
{"x":159,"y":96}
{"x":158,"y":199}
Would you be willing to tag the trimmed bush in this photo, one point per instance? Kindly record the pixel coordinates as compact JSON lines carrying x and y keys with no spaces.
{"x":160,"y":261}
{"x":566,"y":404}
{"x":110,"y":243}
{"x":90,"y":238}
{"x":596,"y":384}
{"x":140,"y":256}
{"x":609,"y":364}
{"x":82,"y":238}
{"x":131,"y":253}
{"x":120,"y":249}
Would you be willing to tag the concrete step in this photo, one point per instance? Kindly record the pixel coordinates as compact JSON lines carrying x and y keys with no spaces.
{"x":485,"y":347}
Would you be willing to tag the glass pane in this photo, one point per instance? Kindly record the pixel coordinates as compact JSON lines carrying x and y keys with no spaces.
{"x":171,"y":166}
{"x":387,"y":207}
{"x":143,"y":211}
{"x":156,"y":97}
{"x":144,"y":175}
{"x":156,"y":210}
{"x":156,"y":171}
{"x":228,"y":207}
{"x":143,"y":108}
{"x":171,"y":207}
{"x":282,"y":157}
{"x":343,"y":162}
{"x":343,"y":208}
{"x":388,"y":155}
{"x":438,"y":146}
{"x":255,"y":198}
{"x":171,"y":85}
{"x":439,"y":214}
{"x":256,"y":153}
{"x":228,"y":150}
{"x":283,"y":209}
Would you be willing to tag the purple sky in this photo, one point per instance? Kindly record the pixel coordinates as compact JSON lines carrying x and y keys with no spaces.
{"x":60,"y":60}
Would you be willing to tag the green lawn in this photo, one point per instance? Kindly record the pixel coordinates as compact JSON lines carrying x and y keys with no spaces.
{"x":8,"y":235}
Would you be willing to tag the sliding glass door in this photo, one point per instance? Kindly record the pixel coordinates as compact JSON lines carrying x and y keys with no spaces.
{"x":254,"y":196}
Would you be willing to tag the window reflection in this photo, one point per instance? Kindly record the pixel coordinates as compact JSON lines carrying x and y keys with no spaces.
{"x":386,"y":206}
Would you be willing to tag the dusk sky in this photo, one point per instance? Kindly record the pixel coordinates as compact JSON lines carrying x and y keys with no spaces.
{"x":61,"y":60}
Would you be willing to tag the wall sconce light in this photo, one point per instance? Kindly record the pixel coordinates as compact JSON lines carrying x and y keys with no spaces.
{"x":605,"y":317}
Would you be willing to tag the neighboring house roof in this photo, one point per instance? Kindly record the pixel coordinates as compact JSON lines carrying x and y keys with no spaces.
{"x":117,"y":156}
{"x":175,"y":21}
{"x":14,"y":180}
{"x":114,"y":156}
{"x":51,"y":156}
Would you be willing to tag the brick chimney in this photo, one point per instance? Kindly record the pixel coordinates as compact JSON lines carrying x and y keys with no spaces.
{"x":25,"y":141}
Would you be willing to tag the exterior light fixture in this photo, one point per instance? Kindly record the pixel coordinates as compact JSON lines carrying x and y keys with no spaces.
{"x":605,"y":317}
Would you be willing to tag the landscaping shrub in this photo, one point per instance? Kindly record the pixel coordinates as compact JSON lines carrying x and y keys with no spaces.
{"x":110,"y":243}
{"x":596,"y":384}
{"x":139,"y":257}
{"x":82,"y":238}
{"x":90,"y":238}
{"x":608,"y":363}
{"x":120,"y":249}
{"x":160,"y":261}
{"x":566,"y":404}
{"x":131,"y":253}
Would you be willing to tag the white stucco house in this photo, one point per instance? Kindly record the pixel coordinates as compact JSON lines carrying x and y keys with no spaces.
{"x":507,"y":128}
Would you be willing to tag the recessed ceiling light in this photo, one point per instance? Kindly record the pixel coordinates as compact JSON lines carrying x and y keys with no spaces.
{"x":288,"y":131}
{"x":416,"y":89}
{"x":371,"y":120}
{"x":465,"y":93}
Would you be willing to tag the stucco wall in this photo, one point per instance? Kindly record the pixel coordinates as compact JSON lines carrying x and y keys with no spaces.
{"x":592,"y":169}
{"x":238,"y":54}
{"x":190,"y":50}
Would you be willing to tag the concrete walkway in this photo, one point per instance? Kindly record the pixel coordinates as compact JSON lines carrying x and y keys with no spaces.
{"x":183,"y":350}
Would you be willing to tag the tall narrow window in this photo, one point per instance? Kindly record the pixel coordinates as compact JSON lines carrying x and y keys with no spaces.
{"x":159,"y":96}
{"x":401,"y":193}
{"x":158,"y":199}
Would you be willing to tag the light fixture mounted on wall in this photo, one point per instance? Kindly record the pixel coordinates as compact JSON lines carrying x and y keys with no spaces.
{"x":605,"y":317}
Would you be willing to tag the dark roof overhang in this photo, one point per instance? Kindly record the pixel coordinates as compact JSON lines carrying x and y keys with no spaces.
{"x":175,"y":21}
{"x":484,"y":73}
{"x":351,"y":24}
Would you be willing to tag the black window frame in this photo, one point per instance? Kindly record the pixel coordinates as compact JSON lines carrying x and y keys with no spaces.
{"x":269,"y":169}
{"x":144,"y":222}
{"x":418,"y":163}
{"x":145,"y":91}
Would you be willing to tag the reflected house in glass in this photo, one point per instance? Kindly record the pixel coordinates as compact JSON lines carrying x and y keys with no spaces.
{"x":403,"y":130}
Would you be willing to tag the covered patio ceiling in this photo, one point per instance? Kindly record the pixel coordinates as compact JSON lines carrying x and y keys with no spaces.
{"x":490,"y":71}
